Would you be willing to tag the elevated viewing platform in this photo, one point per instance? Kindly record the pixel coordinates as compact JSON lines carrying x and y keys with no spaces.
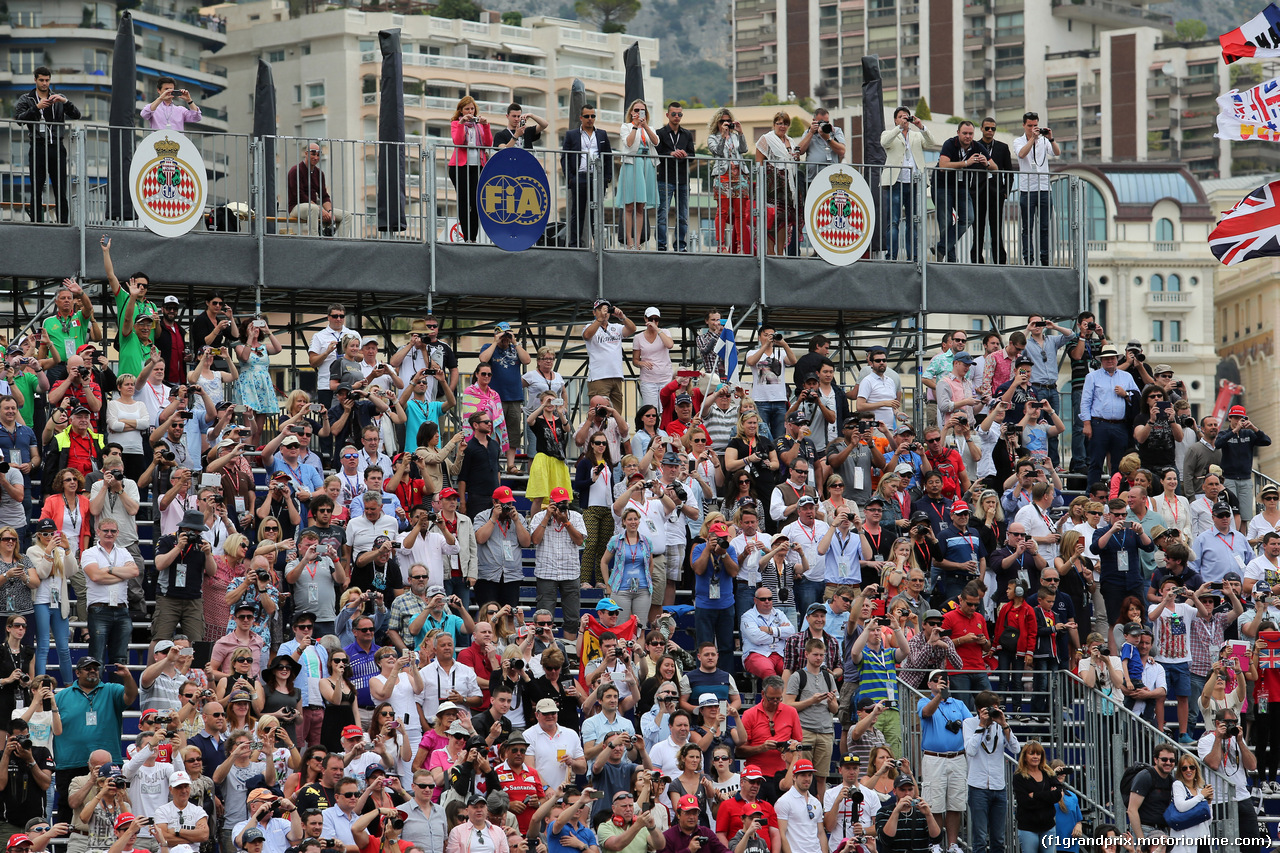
{"x":284,"y":255}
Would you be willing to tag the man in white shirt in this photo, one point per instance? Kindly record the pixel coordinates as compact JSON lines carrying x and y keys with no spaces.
{"x":1035,"y":147}
{"x":664,"y":755}
{"x":148,"y":778}
{"x":107,"y":570}
{"x":447,"y":680}
{"x":852,"y":806}
{"x":369,"y":525}
{"x":878,"y":393}
{"x":555,"y":751}
{"x":800,"y":813}
{"x":1171,"y":622}
{"x":807,"y":531}
{"x":313,"y":659}
{"x":604,"y":336}
{"x":987,"y":740}
{"x":1038,"y":524}
{"x":326,"y":346}
{"x":1229,"y":759}
{"x":178,"y":821}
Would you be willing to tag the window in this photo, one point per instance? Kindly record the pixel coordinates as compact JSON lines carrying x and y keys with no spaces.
{"x":96,"y":61}
{"x":1009,"y":25}
{"x":1064,"y":87}
{"x":1157,"y":283}
{"x":976,"y":326}
{"x":1174,"y":283}
{"x":1164,"y":231}
{"x":297,"y":94}
{"x":275,"y":56}
{"x":1175,"y":331}
{"x":305,"y":49}
{"x":1009,"y":90}
{"x":1157,"y":330}
{"x":25,"y":61}
{"x":315,"y":94}
{"x":1007,"y":57}
{"x":1095,"y":214}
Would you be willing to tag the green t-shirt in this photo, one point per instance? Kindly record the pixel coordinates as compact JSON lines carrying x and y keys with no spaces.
{"x":73,"y":330}
{"x":133,"y":352}
{"x":28,"y":384}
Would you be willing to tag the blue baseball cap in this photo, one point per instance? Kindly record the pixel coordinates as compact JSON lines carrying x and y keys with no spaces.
{"x":608,"y":604}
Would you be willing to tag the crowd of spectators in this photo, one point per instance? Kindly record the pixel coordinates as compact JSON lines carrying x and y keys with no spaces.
{"x":324,"y":589}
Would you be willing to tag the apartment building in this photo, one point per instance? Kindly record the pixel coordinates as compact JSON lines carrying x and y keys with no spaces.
{"x":327,"y":67}
{"x":1113,"y":83}
{"x":76,"y":40}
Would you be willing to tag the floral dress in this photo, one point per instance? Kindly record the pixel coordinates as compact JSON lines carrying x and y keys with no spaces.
{"x":261,"y":619}
{"x":475,"y":398}
{"x":214,"y":592}
{"x":254,"y":388}
{"x":15,"y":593}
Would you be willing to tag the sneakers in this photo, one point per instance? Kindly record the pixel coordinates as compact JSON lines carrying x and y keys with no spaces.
{"x":1185,"y":739}
{"x":955,"y":848}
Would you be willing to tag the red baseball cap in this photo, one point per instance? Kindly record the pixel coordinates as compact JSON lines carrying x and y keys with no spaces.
{"x":752,"y":772}
{"x":448,"y":492}
{"x":958,"y":507}
{"x":503,"y":495}
{"x":352,"y":731}
{"x":123,"y":820}
{"x":718,"y":529}
{"x":804,"y":765}
{"x":1236,"y":412}
{"x":18,"y":840}
{"x":560,"y":493}
{"x":688,"y":803}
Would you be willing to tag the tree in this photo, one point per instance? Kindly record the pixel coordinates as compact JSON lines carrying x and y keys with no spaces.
{"x":609,"y":16}
{"x":769,"y":99}
{"x":1191,"y":29}
{"x":465,"y":9}
{"x":513,"y":19}
{"x":922,"y":109}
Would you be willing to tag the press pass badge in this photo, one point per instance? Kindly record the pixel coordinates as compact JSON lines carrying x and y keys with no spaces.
{"x":1122,"y":561}
{"x":858,"y":479}
{"x":90,"y":718}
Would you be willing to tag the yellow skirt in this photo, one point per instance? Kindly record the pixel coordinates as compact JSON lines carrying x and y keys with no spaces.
{"x":545,"y":474}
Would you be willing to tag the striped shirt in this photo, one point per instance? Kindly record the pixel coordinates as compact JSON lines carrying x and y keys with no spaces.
{"x":721,"y":424}
{"x":877,"y":676}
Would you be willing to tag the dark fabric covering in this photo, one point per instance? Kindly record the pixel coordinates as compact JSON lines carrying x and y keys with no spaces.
{"x":264,"y":129}
{"x":123,"y":116}
{"x":577,"y":97}
{"x":872,"y":151}
{"x":634,"y":86}
{"x":391,"y":160}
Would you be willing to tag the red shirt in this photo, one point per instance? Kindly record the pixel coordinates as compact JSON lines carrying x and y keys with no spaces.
{"x":82,"y":452}
{"x":970,"y":653}
{"x":786,"y":726}
{"x":729,"y":820}
{"x":175,"y":369}
{"x":479,"y":661}
{"x":520,"y":785}
{"x":410,"y":493}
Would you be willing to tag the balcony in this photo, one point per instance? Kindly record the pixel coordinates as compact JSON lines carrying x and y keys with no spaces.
{"x":883,"y":47}
{"x":1203,"y":84}
{"x":759,"y":35}
{"x":1170,"y":348}
{"x":977,"y":37}
{"x":1104,"y":13}
{"x":462,"y":63}
{"x":603,"y":75}
{"x":1199,"y":150}
{"x":749,"y":8}
{"x":1063,"y":99}
{"x":1089,"y":95}
{"x":882,"y":15}
{"x":977,"y":7}
{"x":1091,"y":126}
{"x":1165,"y":119}
{"x":1166,"y":300}
{"x":604,"y":118}
{"x":909,"y":14}
{"x":978,"y":102}
{"x":977,"y":69}
{"x":1161,"y":84}
{"x":191,"y":63}
{"x":1192,"y":119}
{"x":828,"y":26}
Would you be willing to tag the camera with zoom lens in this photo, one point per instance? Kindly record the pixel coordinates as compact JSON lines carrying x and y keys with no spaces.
{"x":561,"y":506}
{"x":432,"y":516}
{"x":4,"y":466}
{"x":602,"y":412}
{"x":954,"y":726}
{"x":681,"y":493}
{"x":264,"y":576}
{"x":825,"y":127}
{"x":116,"y":475}
{"x":83,"y":371}
{"x":722,"y":541}
{"x":1232,"y":731}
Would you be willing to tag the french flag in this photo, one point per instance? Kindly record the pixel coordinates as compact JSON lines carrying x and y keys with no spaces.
{"x":1260,"y":37}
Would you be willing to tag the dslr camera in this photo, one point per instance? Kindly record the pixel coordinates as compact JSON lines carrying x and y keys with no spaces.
{"x":264,"y":576}
{"x":602,"y":412}
{"x":825,"y":127}
{"x":561,"y":506}
{"x":681,"y":493}
{"x":954,"y":726}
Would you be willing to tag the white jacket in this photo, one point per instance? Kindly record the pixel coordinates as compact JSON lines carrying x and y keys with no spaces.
{"x":895,"y":149}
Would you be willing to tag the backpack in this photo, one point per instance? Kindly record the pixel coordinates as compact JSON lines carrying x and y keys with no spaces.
{"x":1131,"y":774}
{"x":804,"y":679}
{"x":945,"y":468}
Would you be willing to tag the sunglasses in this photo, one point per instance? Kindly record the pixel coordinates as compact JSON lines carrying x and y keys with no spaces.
{"x":339,"y":660}
{"x":417,"y":577}
{"x":423,"y":786}
{"x":364,"y":630}
{"x":348,"y":795}
{"x":593,"y":444}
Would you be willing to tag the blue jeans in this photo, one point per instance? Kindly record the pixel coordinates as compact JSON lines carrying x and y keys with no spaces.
{"x":1050,"y":394}
{"x":1040,"y":682}
{"x":46,"y":618}
{"x":714,"y":626}
{"x":807,"y":592}
{"x":1197,"y":687}
{"x":968,"y":684}
{"x":986,"y":816}
{"x":1035,"y":206}
{"x":1108,"y":443}
{"x":109,"y":628}
{"x":773,"y":413}
{"x":1034,"y":842}
{"x":1079,"y":455}
{"x":902,"y":204}
{"x":680,"y":192}
{"x":949,"y":233}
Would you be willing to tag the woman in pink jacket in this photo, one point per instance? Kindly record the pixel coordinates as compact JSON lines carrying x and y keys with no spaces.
{"x":477,"y":824}
{"x":472,"y":137}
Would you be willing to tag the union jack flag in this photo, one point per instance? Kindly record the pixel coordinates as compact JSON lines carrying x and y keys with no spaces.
{"x":1249,"y":230}
{"x":1269,"y":658}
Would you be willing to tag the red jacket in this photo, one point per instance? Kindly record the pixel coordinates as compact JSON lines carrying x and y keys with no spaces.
{"x":54,"y":508}
{"x":1022,"y":619}
{"x":458,"y":131}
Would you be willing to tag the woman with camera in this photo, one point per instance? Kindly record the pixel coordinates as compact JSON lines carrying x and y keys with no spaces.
{"x":254,"y":388}
{"x":255,"y":589}
{"x":50,"y":564}
{"x":107,"y":799}
{"x":593,"y":484}
{"x":346,"y":367}
{"x":278,"y":696}
{"x":17,"y":664}
{"x":398,"y":683}
{"x":776,"y":150}
{"x":241,"y":662}
{"x":127,"y":417}
{"x":204,"y":390}
{"x":472,"y":138}
{"x":1189,"y":791}
{"x":626,"y":564}
{"x":1155,"y":430}
{"x":515,"y":676}
{"x":550,"y":432}
{"x":1036,"y":791}
{"x":882,"y":769}
{"x":753,"y":453}
{"x":637,"y":187}
{"x":694,"y":782}
{"x":340,"y":708}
